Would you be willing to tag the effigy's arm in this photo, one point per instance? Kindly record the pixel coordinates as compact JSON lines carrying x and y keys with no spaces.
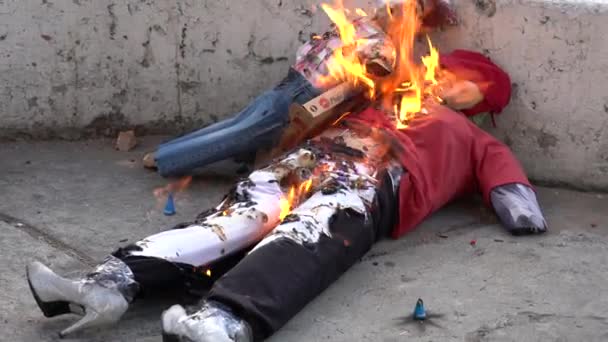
{"x":505,"y":187}
{"x":485,"y":87}
{"x":517,"y":207}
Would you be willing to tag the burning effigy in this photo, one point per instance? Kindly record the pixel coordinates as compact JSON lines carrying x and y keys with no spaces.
{"x":379,"y":137}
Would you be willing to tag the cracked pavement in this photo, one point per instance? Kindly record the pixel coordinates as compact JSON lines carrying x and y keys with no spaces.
{"x":69,"y":204}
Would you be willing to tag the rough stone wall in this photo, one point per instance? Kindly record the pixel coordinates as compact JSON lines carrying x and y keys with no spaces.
{"x":73,"y":68}
{"x":70,"y":68}
{"x":556,"y":53}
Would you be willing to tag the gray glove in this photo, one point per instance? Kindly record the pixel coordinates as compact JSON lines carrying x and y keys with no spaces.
{"x":518,"y":210}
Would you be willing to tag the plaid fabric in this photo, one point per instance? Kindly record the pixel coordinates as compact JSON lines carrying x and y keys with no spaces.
{"x":313,"y":57}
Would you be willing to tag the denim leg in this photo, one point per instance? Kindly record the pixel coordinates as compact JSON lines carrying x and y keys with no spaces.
{"x":259,"y":125}
{"x":208,"y":129}
{"x":294,"y":85}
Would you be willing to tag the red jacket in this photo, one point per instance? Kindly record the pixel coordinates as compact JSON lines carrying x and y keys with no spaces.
{"x":445,"y":154}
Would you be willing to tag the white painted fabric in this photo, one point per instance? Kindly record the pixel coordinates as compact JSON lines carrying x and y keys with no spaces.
{"x":243,"y":222}
{"x":355,"y":184}
{"x":235,"y":225}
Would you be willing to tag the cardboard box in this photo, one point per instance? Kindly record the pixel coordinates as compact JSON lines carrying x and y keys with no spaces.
{"x":329,"y":100}
{"x":311,"y":118}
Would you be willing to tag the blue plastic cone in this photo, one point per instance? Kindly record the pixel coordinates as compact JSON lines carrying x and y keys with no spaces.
{"x":170,"y":206}
{"x":419,"y":311}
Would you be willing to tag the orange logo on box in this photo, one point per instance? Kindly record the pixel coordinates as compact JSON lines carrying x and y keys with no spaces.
{"x":324,"y":103}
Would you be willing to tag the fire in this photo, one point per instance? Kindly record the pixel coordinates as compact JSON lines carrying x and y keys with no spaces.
{"x":405,"y":90}
{"x":285,"y":203}
{"x":295,"y":194}
{"x":344,"y":64}
{"x":431,"y":63}
{"x":360,"y":12}
{"x":172,"y":188}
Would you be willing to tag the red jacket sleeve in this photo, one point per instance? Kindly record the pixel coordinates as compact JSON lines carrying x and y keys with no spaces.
{"x":493,"y":82}
{"x":494,"y":163}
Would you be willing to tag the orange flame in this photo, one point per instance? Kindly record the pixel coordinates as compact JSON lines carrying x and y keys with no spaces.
{"x":360,"y":12}
{"x":410,"y":83}
{"x":431,"y":63}
{"x":295,"y":195}
{"x":172,"y":188}
{"x":344,"y":64}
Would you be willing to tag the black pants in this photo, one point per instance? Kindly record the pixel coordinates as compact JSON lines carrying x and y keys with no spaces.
{"x":268,"y":286}
{"x":354,"y":206}
{"x":276,"y":281}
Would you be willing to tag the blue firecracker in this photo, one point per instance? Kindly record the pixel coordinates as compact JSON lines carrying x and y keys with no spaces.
{"x":170,"y":206}
{"x":419,"y":311}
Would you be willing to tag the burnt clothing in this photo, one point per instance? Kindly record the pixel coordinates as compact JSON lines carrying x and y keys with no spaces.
{"x":356,"y":198}
{"x":447,"y":156}
{"x":351,"y":203}
{"x":340,"y":165}
{"x":274,"y":282}
{"x":310,"y":249}
{"x":315,"y":58}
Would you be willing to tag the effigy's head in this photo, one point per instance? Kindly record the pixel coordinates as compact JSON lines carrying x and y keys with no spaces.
{"x":385,"y":63}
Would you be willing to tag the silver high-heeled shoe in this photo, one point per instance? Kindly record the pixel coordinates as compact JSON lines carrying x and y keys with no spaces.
{"x":212,"y":323}
{"x":101,"y":297}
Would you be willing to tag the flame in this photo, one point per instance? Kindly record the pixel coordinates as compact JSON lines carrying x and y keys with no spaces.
{"x":285,"y":203}
{"x":431,"y":63}
{"x":360,"y":12}
{"x":295,"y":194}
{"x":208,"y":273}
{"x":345,"y":64}
{"x":340,"y":118}
{"x":405,"y":90}
{"x":174,"y":187}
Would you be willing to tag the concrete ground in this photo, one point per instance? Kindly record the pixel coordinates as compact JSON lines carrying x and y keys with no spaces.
{"x":69,"y":204}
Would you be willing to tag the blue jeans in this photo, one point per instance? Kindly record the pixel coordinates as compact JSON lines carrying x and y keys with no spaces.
{"x":259,"y":125}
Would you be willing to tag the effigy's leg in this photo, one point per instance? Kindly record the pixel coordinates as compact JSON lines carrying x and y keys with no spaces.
{"x":257,"y":126}
{"x":518,"y":210}
{"x":101,"y":297}
{"x":353,"y":204}
{"x":203,"y":248}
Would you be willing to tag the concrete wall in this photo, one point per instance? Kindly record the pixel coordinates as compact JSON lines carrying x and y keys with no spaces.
{"x":72,"y":68}
{"x":69,"y":67}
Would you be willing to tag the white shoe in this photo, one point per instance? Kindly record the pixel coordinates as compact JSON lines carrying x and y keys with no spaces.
{"x":56,"y":295}
{"x":210,"y":324}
